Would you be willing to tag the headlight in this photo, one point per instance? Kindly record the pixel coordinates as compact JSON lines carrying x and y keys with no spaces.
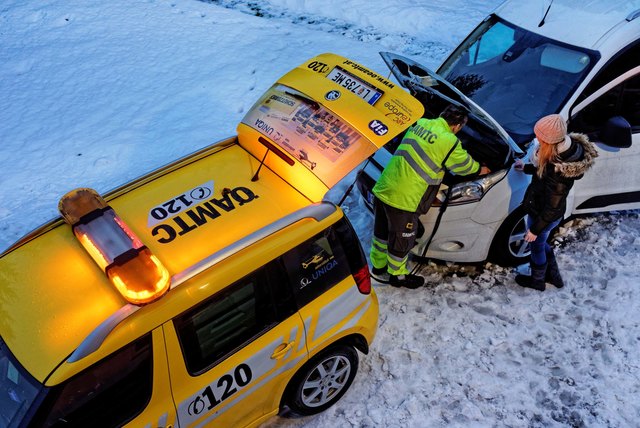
{"x":471,"y":191}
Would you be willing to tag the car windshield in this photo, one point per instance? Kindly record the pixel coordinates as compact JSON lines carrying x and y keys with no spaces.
{"x":18,"y":389}
{"x":516,"y":76}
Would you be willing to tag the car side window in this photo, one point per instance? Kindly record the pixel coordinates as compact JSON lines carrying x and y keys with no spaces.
{"x":109,"y":393}
{"x":621,"y":63}
{"x":243,"y":311}
{"x":315,"y":266}
{"x":621,"y":100}
{"x":631,"y":103}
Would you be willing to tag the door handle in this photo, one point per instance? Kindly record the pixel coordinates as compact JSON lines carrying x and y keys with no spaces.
{"x":282,"y":350}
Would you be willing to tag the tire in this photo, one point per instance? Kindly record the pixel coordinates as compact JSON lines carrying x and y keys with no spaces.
{"x":322,"y":381}
{"x":509,"y":247}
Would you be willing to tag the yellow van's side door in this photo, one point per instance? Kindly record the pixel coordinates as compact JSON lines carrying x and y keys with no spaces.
{"x":160,"y":412}
{"x":231,"y":356}
{"x":330,"y":304}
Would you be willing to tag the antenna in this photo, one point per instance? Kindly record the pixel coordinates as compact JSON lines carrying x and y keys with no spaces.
{"x":545,"y":14}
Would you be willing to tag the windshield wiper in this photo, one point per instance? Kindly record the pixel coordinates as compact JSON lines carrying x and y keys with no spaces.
{"x":313,"y":104}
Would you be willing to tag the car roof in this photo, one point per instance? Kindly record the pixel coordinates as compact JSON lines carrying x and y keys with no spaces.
{"x":66,"y":295}
{"x":577,"y":22}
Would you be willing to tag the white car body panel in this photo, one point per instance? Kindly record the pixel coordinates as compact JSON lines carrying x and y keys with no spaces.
{"x":472,"y":225}
{"x":597,"y":17}
{"x":615,"y":168}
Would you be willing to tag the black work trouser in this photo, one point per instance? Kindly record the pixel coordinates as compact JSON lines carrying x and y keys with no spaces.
{"x":395,"y":233}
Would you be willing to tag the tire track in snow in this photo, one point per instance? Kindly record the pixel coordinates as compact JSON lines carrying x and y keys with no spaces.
{"x":398,"y":42}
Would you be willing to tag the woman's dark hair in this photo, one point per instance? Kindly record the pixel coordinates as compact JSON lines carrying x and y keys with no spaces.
{"x":455,"y":115}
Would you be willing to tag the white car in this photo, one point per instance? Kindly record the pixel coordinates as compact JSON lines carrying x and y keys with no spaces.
{"x":524,"y":61}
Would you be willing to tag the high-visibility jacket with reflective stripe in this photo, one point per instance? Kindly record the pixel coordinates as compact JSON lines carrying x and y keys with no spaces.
{"x":417,"y":163}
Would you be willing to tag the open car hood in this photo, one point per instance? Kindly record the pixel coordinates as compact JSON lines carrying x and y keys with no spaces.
{"x":417,"y":78}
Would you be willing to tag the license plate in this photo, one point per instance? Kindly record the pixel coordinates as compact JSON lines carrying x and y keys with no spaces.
{"x":355,"y":85}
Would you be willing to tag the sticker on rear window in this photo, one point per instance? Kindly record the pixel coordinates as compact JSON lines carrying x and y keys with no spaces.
{"x":378,"y":127}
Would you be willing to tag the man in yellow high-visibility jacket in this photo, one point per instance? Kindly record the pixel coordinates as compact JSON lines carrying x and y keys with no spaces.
{"x":407,"y":187}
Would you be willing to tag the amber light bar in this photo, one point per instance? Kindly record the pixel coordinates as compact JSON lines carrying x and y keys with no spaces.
{"x":130,"y":266}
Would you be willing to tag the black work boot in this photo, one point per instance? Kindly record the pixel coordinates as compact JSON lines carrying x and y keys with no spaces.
{"x":380,"y":275}
{"x":553,"y":272}
{"x":536,"y":280}
{"x":407,"y":281}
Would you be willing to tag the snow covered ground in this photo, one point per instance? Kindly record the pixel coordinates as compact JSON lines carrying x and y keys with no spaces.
{"x":97,"y":93}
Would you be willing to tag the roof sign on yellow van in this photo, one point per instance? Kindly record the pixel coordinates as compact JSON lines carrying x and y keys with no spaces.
{"x":130,"y":266}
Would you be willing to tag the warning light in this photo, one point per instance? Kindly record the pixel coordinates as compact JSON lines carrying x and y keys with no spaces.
{"x":135,"y":272}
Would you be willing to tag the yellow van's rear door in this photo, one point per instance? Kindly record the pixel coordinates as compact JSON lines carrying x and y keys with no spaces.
{"x":324,"y":118}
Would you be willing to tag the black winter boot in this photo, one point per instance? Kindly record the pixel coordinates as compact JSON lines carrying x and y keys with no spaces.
{"x":380,"y":275}
{"x":536,"y":280}
{"x":407,"y":281}
{"x":553,"y":272}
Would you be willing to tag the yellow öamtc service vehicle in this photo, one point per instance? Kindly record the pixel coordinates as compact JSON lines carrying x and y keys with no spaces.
{"x":216,"y":291}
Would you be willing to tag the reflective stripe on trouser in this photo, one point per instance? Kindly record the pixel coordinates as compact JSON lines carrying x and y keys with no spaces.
{"x":378,"y":253}
{"x":397,"y":266}
{"x":394,"y":234}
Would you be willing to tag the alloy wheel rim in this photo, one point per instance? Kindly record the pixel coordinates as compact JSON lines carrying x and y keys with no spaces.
{"x":518,"y":247}
{"x":326,"y":381}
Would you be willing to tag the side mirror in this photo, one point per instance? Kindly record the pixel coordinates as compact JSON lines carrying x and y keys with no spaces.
{"x":616,"y":133}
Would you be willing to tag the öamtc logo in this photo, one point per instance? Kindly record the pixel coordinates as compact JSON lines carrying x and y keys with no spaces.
{"x":332,"y":95}
{"x":199,"y":215}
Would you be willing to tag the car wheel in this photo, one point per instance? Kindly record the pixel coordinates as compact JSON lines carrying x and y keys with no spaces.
{"x":322,"y":381}
{"x":509,"y":247}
